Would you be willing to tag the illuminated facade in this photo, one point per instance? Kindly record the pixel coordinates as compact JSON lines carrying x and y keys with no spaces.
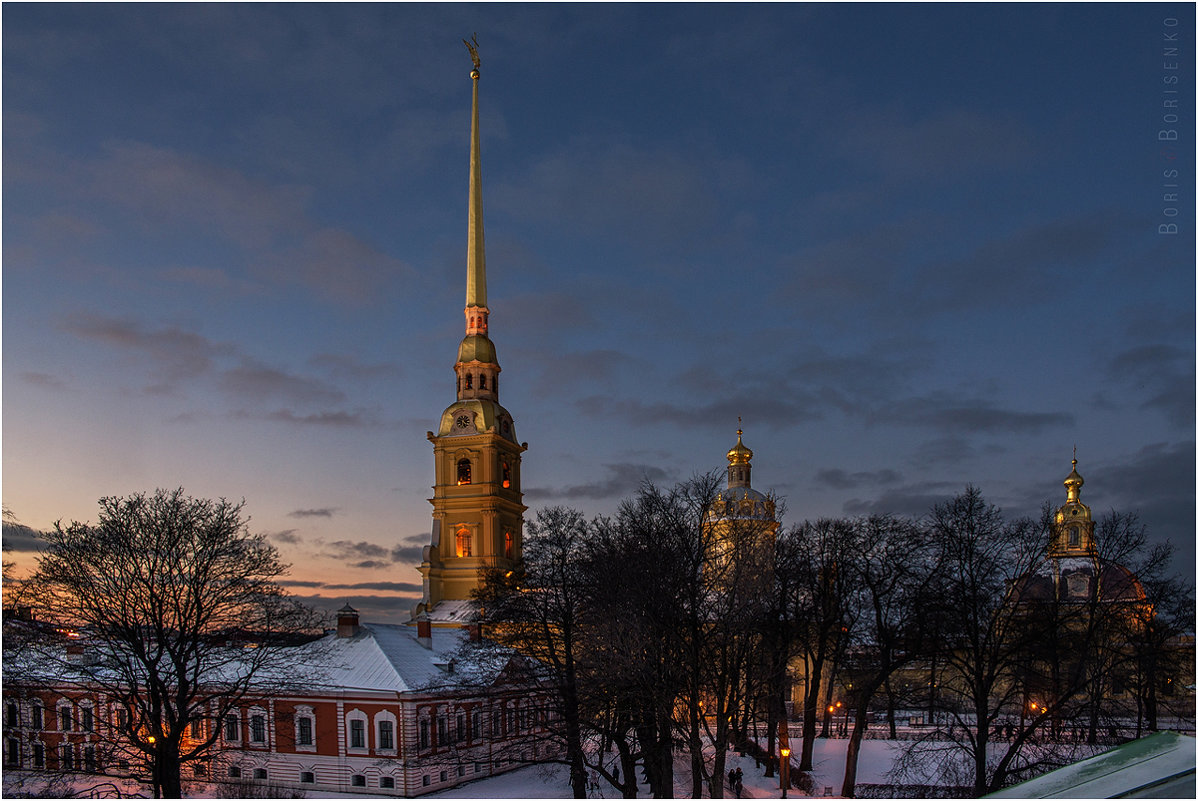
{"x":478,"y":516}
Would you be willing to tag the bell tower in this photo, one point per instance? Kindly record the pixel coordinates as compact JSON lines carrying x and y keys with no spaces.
{"x":1073,"y":525}
{"x":478,"y":514}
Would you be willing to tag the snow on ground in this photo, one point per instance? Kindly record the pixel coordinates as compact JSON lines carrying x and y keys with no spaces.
{"x":553,"y":781}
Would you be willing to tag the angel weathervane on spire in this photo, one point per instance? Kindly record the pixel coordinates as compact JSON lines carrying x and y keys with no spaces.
{"x":472,"y":46}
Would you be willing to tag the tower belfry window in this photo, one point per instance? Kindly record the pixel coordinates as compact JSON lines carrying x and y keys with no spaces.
{"x":463,"y":542}
{"x":506,"y":471}
{"x":463,"y":471}
{"x":507,"y":545}
{"x":482,"y":381}
{"x":469,"y":381}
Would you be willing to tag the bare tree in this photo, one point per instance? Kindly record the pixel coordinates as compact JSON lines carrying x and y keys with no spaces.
{"x":183,"y":616}
{"x":895,"y":571}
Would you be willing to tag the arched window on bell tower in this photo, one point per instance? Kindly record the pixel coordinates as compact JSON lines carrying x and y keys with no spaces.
{"x":463,"y":471}
{"x":505,"y":470}
{"x":463,"y":542}
{"x":508,"y":543}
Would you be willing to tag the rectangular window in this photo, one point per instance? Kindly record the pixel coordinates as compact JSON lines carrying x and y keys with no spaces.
{"x":66,"y":757}
{"x":357,"y":734}
{"x":234,"y":772}
{"x":387,"y":782}
{"x":14,"y":753}
{"x":89,"y":758}
{"x":197,"y":729}
{"x":260,"y":774}
{"x":386,"y":734}
{"x":258,"y":729}
{"x":425,"y":779}
{"x":476,"y":727}
{"x":232,"y":728}
{"x":424,"y":743}
{"x":461,"y":727}
{"x":305,"y":731}
{"x":64,"y":718}
{"x":307,"y":777}
{"x":357,"y":780}
{"x":442,"y":731}
{"x":444,"y":776}
{"x":39,"y":755}
{"x":200,"y":769}
{"x":87,"y":719}
{"x":122,"y":720}
{"x":35,"y":717}
{"x":12,"y":714}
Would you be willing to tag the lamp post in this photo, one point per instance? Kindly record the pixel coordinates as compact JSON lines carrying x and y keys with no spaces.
{"x":785,"y":772}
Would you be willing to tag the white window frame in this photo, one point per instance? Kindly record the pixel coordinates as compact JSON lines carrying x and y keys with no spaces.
{"x":350,"y":716}
{"x":258,"y":712}
{"x":304,"y":712}
{"x":386,"y":716}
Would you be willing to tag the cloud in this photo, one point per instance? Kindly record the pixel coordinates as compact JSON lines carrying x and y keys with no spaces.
{"x":373,"y":607}
{"x":362,"y":549}
{"x":390,"y":586}
{"x":343,"y":366}
{"x":181,"y":354}
{"x":943,"y":144}
{"x":44,"y":381}
{"x":942,"y":450}
{"x":839,"y":479}
{"x":299,"y":583}
{"x":20,"y":538}
{"x":287,"y":536}
{"x":340,"y":419}
{"x":409,"y":554}
{"x":1162,"y":373}
{"x":621,"y":479}
{"x":788,"y":410}
{"x":325,"y":512}
{"x":944,"y":411}
{"x":257,"y":381}
{"x":912,"y":500}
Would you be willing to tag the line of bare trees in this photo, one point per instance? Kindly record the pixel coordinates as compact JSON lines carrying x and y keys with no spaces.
{"x":655,"y":632}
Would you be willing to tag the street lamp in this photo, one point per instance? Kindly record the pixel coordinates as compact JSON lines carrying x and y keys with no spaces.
{"x":785,"y":772}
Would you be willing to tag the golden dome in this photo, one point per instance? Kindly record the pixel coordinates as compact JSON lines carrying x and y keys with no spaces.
{"x":739,"y":453}
{"x":1073,"y":484}
{"x":476,"y":348}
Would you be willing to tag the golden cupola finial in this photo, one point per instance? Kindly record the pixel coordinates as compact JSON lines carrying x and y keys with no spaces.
{"x":1073,"y":482}
{"x":739,"y":454}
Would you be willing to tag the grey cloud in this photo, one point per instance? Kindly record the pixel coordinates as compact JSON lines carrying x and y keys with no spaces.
{"x":371,"y":564}
{"x":260,"y":382}
{"x":409,"y":554}
{"x":946,"y":412}
{"x":914,"y":500}
{"x":943,"y":144}
{"x":789,"y":411}
{"x":1162,"y":373}
{"x":393,"y":586}
{"x":344,"y":366}
{"x":324,"y":512}
{"x":621,"y":479}
{"x":20,"y":538}
{"x":361,"y":549}
{"x":383,"y":608}
{"x":299,"y":583}
{"x":182,"y":354}
{"x":343,"y":419}
{"x":839,"y":479}
{"x":44,"y":380}
{"x":287,"y":536}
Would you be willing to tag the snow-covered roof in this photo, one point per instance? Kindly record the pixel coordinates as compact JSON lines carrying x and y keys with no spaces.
{"x":390,"y":657}
{"x":449,"y":611}
{"x":1160,"y":765}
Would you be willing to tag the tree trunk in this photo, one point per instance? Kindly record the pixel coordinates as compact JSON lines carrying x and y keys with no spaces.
{"x":860,"y":724}
{"x":810,"y":710}
{"x":981,"y":741}
{"x":167,"y":770}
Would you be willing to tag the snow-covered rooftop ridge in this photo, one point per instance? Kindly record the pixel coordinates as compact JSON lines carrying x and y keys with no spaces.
{"x":1160,"y":765}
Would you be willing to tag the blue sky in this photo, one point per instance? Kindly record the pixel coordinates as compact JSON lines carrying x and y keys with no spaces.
{"x":913,"y":247}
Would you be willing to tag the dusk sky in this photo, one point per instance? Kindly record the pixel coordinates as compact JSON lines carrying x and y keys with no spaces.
{"x":913,"y":247}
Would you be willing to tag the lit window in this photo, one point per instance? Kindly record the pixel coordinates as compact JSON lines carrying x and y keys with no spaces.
{"x":507,"y":544}
{"x":463,"y":471}
{"x":463,"y":541}
{"x":505,"y":470}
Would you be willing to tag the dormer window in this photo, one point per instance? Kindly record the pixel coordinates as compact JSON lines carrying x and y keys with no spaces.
{"x":463,"y":471}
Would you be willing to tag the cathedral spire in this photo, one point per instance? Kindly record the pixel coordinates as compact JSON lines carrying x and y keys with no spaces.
{"x":476,"y":258}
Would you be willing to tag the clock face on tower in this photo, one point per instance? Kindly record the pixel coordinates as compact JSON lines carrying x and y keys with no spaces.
{"x":462,"y":422}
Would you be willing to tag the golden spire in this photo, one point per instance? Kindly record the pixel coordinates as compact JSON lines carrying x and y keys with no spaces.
{"x":476,"y":260}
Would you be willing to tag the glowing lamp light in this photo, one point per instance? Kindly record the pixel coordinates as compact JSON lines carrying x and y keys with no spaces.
{"x":785,"y":753}
{"x":831,"y":709}
{"x":151,"y":739}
